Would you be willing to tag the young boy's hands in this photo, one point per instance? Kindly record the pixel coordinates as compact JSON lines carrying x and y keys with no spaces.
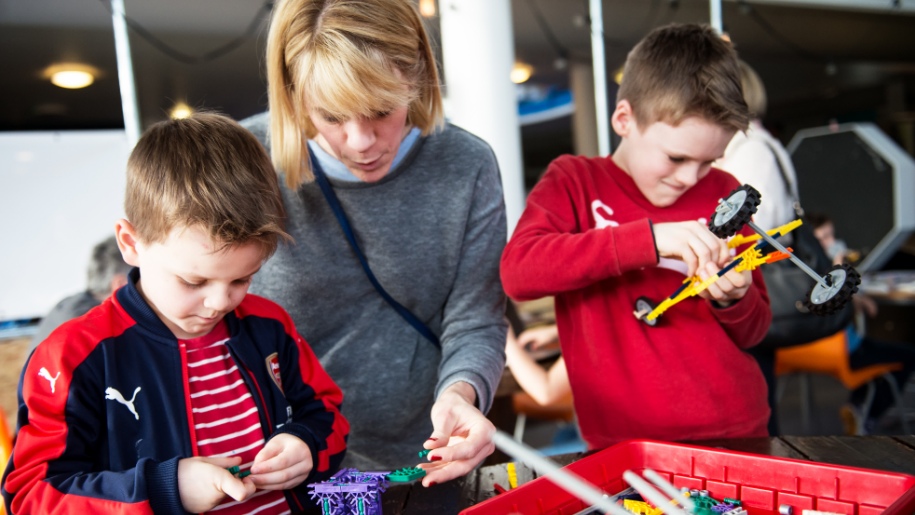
{"x":283,"y":463}
{"x":204,"y":482}
{"x":729,"y":288}
{"x":692,"y":243}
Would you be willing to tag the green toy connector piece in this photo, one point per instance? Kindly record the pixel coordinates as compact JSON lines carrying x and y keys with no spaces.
{"x":423,"y":453}
{"x":406,"y":474}
{"x":233,"y":470}
{"x":244,"y":474}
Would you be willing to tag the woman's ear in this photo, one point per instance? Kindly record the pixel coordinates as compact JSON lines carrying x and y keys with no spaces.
{"x":127,"y":241}
{"x":623,"y":120}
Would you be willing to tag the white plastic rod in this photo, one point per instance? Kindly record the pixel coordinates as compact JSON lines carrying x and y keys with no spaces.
{"x":566,"y":480}
{"x":650,"y":494}
{"x":125,"y":73}
{"x":669,"y":489}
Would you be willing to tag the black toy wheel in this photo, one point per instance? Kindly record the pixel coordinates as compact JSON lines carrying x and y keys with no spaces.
{"x":844,"y":280}
{"x":734,"y":212}
{"x":644,"y":306}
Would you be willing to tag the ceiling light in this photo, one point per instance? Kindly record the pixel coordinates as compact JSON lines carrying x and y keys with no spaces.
{"x":71,"y":75}
{"x":521,"y":72}
{"x":427,"y":8}
{"x":180,"y":111}
{"x":72,"y":79}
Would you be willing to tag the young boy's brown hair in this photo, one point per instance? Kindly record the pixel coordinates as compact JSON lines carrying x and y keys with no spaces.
{"x":209,"y":171}
{"x":679,"y":71}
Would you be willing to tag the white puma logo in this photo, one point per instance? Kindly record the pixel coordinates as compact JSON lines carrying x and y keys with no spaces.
{"x":112,"y":394}
{"x":598,"y":210}
{"x":47,"y":375}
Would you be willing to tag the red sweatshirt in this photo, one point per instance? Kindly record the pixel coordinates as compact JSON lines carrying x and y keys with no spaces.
{"x":585,"y":238}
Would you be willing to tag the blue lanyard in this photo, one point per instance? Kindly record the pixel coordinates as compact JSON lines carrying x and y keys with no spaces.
{"x":335,"y":206}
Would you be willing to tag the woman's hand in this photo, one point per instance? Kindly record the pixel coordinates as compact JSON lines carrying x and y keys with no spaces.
{"x":461,"y":436}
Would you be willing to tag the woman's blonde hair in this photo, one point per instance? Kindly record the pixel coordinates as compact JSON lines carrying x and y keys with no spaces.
{"x":684,"y":70}
{"x":204,"y":171}
{"x":350,"y":58}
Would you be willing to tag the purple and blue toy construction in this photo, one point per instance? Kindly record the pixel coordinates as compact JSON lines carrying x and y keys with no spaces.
{"x":350,"y":492}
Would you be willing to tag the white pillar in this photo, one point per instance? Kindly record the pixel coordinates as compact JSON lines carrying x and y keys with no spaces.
{"x":478,"y":54}
{"x":596,"y":12}
{"x":125,"y":73}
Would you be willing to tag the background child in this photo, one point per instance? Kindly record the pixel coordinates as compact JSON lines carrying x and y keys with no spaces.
{"x":142,"y":403}
{"x":598,"y":233}
{"x":859,"y":418}
{"x":106,"y":272}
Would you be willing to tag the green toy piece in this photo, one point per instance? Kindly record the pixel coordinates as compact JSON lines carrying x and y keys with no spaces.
{"x":233,"y":470}
{"x":244,"y":474}
{"x":406,"y":474}
{"x":425,"y":452}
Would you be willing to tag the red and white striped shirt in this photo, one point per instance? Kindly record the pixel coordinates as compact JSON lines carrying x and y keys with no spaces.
{"x":226,"y":422}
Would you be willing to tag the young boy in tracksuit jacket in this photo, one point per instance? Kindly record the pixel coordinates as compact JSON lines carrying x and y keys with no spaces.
{"x":599,"y":233}
{"x":145,"y":403}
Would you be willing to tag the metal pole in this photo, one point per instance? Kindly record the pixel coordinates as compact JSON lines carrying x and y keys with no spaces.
{"x":125,"y":73}
{"x":803,"y":266}
{"x":600,"y":77}
{"x":715,"y":16}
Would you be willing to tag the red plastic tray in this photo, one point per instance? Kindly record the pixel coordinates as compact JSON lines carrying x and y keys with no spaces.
{"x":763,"y":483}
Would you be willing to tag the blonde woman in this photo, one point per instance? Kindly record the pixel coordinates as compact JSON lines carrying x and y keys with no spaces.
{"x":355,"y":102}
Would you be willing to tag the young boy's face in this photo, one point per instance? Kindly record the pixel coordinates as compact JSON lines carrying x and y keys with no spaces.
{"x":665,"y":160}
{"x":190,"y":285}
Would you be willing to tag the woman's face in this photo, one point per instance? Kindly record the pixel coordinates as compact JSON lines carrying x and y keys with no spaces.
{"x":366,"y":146}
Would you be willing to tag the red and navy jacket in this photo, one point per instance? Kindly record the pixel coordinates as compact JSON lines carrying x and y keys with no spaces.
{"x":104,"y":414}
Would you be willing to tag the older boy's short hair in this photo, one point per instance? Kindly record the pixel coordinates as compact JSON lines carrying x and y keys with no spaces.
{"x":684,"y":70}
{"x":350,"y":58}
{"x":206,"y":171}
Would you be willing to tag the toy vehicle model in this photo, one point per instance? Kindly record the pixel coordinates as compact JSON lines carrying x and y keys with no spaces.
{"x":827,"y":295}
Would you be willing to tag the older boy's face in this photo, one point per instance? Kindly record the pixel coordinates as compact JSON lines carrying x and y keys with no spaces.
{"x":191,"y":287}
{"x":665,"y":161}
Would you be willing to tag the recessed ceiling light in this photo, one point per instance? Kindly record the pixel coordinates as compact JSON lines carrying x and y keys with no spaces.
{"x":71,"y":75}
{"x":521,"y":72}
{"x":180,"y":111}
{"x":427,"y":8}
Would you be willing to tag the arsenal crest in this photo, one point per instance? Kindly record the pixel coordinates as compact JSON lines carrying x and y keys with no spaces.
{"x":273,"y":368}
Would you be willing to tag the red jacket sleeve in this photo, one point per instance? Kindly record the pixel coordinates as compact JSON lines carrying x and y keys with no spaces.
{"x":554,"y":248}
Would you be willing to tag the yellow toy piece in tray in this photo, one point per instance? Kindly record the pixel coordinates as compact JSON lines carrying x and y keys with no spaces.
{"x":828,"y":294}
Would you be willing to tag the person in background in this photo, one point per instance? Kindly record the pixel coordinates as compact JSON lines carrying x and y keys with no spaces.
{"x":355,"y":105}
{"x":106,"y":272}
{"x":142,"y":404}
{"x":547,"y":387}
{"x":756,"y":158}
{"x":864,"y":351}
{"x":599,"y":233}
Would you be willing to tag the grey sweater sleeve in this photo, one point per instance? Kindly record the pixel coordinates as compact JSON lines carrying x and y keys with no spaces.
{"x":474,"y":327}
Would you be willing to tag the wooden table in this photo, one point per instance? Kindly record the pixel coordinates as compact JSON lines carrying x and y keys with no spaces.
{"x":895,"y":454}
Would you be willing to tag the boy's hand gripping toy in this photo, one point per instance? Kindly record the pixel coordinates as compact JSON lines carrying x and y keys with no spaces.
{"x":828,"y":294}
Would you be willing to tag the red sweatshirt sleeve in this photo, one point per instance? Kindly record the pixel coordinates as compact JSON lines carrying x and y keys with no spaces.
{"x":555,"y":247}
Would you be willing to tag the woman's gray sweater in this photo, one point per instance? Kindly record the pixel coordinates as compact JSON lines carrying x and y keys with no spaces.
{"x":433,"y":231}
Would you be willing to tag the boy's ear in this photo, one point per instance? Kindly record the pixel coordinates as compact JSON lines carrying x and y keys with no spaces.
{"x":623,"y":120}
{"x":127,"y":241}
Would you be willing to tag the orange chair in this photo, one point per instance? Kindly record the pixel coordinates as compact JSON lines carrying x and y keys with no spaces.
{"x":6,"y":448}
{"x":829,"y":356}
